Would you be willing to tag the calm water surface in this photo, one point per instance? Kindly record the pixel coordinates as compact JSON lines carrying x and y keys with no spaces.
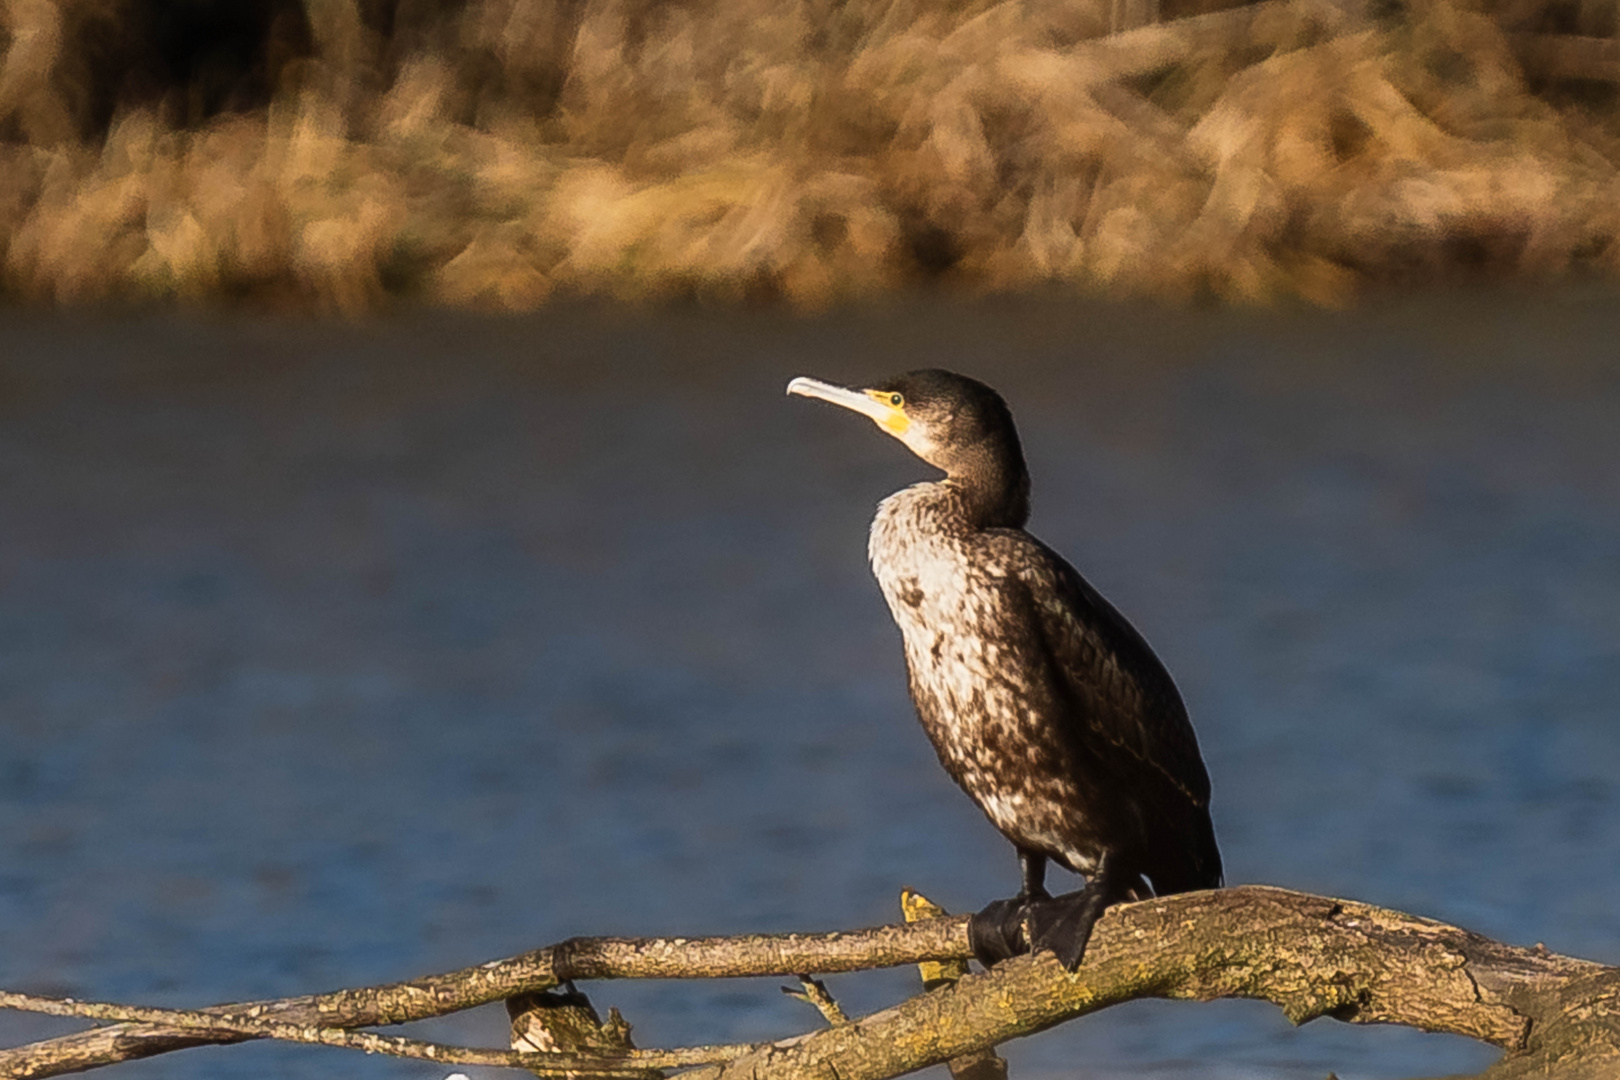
{"x":338,"y":654}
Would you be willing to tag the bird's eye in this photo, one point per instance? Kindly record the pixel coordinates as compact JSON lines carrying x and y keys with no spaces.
{"x":896,"y":400}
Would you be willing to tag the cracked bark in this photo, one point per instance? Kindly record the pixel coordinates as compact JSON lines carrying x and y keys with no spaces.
{"x":1313,"y":957}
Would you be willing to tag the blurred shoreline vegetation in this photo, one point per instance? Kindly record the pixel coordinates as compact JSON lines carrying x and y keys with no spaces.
{"x":342,"y":154}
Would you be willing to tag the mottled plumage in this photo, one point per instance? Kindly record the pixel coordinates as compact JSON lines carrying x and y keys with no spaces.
{"x":1038,"y":696}
{"x":1043,"y":703}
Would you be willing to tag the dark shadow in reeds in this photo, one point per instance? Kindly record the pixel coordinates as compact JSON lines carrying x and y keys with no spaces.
{"x":491,"y":153}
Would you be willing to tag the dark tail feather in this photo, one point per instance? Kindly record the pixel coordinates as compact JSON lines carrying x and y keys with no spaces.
{"x":1191,"y":858}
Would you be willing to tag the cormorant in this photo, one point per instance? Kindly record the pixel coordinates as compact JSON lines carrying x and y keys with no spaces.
{"x":1043,"y":703}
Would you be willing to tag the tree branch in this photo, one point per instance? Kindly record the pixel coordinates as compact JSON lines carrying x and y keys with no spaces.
{"x":1310,"y":955}
{"x":577,"y":958}
{"x":984,"y":1064}
{"x":814,"y":992}
{"x":564,"y":1021}
{"x":627,"y":1062}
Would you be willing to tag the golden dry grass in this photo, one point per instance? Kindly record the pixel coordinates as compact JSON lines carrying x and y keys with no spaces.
{"x":495,"y":152}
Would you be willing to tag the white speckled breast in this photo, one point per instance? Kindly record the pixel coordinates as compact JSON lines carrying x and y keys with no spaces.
{"x":946,"y":589}
{"x":923,"y":572}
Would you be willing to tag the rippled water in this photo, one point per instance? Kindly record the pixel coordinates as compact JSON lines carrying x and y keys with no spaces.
{"x":337,"y":654}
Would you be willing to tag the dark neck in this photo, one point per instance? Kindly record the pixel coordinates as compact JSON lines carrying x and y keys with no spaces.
{"x":994,"y":489}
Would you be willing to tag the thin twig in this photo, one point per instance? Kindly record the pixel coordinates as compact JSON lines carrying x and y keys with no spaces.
{"x":629,"y":1062}
{"x":815,"y":992}
{"x":916,"y":908}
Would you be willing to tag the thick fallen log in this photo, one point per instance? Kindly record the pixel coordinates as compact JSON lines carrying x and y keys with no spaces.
{"x":1312,"y":956}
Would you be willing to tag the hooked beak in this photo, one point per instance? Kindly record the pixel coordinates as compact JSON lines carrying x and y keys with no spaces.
{"x":870,"y":403}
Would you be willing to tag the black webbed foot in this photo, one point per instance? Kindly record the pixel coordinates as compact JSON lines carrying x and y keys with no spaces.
{"x":997,"y":933}
{"x":1063,"y":924}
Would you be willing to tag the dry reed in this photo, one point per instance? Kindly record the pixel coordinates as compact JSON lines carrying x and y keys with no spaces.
{"x":493,"y":152}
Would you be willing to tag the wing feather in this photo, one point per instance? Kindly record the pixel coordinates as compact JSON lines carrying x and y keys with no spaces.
{"x":1126,"y":697}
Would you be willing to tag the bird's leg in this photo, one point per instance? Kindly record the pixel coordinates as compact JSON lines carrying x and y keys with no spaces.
{"x":1033,"y":865}
{"x":997,"y":932}
{"x":1063,"y":924}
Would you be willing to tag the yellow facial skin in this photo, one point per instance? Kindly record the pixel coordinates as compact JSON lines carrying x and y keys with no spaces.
{"x":894,"y":419}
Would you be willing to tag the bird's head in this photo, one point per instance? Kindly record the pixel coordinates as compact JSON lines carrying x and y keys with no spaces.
{"x":952,"y":422}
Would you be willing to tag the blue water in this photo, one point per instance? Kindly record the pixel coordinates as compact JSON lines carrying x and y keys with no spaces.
{"x":334,"y":654}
